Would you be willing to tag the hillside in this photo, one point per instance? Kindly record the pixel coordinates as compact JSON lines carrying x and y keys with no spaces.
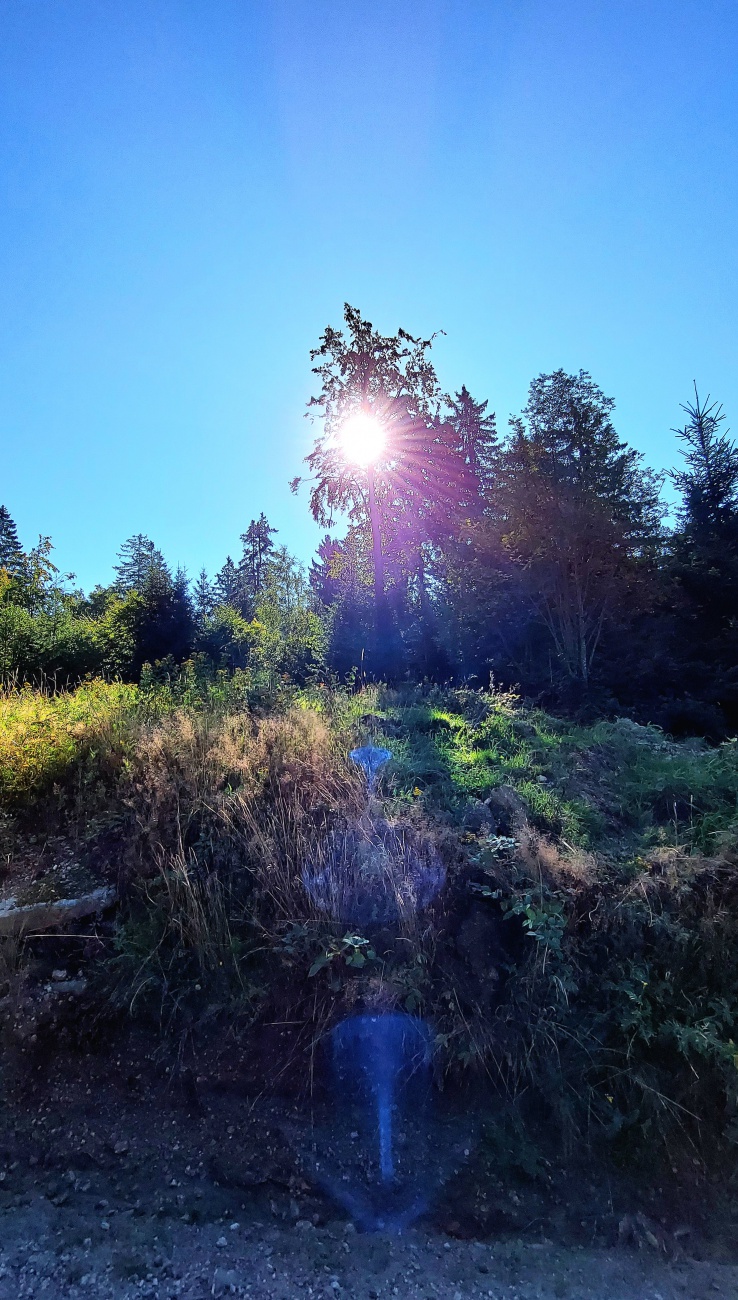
{"x":578,"y":965}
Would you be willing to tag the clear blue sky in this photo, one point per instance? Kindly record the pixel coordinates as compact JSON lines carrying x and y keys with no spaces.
{"x":189,"y":191}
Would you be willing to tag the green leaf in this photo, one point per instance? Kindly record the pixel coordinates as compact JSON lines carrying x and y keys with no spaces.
{"x":324,"y":959}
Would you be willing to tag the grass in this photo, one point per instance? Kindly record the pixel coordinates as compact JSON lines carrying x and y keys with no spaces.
{"x":588,"y":958}
{"x":42,"y":737}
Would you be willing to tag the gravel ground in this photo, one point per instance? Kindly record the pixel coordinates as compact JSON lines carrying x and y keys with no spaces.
{"x":115,"y":1182}
{"x":49,"y":1251}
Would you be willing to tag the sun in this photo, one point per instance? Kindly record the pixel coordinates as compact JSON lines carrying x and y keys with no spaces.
{"x":363,"y":438}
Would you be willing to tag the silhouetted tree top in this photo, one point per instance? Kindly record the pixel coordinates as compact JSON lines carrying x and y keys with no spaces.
{"x":424,"y":472}
{"x":476,"y":432}
{"x":257,"y":548}
{"x":566,"y":437}
{"x":709,"y":484}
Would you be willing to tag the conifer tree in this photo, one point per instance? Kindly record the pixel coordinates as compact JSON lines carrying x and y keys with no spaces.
{"x":476,"y":431}
{"x":705,"y":558}
{"x":257,"y":550}
{"x":11,"y":554}
{"x":228,"y":585}
{"x":204,"y":596}
{"x":325,"y":571}
{"x":709,"y":484}
{"x":577,"y":513}
{"x":137,"y":558}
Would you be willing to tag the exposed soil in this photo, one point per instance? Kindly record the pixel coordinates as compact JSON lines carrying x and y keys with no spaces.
{"x":121,"y":1178}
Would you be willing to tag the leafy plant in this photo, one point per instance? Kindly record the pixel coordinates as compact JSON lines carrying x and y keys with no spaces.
{"x":352,"y":949}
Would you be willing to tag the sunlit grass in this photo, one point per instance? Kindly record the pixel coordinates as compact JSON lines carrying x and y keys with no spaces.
{"x":42,"y":735}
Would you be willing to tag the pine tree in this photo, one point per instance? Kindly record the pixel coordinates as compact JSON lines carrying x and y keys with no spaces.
{"x":11,"y":554}
{"x":228,"y":585}
{"x":324,"y":574}
{"x":165,"y":626}
{"x":705,"y":556}
{"x":577,"y":513}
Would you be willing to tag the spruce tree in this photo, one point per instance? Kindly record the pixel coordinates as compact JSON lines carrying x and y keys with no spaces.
{"x":228,"y":585}
{"x":476,"y":431}
{"x":257,"y":549}
{"x":137,"y":559}
{"x":11,"y":554}
{"x":203,"y":596}
{"x":709,"y":484}
{"x":704,"y":561}
{"x":578,"y":515}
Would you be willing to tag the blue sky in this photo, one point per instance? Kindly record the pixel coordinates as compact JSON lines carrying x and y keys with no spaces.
{"x":189,"y":192}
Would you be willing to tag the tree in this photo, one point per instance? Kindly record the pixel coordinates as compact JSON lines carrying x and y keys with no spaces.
{"x":476,"y":433}
{"x":137,"y":558}
{"x":166,"y":624}
{"x":11,"y":553}
{"x":227,"y":638}
{"x":393,"y":376}
{"x":228,"y":589}
{"x":421,"y":486}
{"x":203,"y":596}
{"x":704,"y":568}
{"x":709,"y":484}
{"x":325,"y":570}
{"x":117,"y":632}
{"x":161,"y":623}
{"x":257,"y":550}
{"x":577,"y":512}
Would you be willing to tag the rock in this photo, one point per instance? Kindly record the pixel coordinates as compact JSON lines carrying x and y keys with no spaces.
{"x":508,"y":808}
{"x":225,"y":1282}
{"x":73,"y":987}
{"x":477,"y":815}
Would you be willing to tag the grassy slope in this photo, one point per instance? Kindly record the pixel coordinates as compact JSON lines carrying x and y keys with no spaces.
{"x":585,"y":953}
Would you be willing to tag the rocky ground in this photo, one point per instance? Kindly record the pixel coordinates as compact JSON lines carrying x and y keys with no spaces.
{"x":51,"y":1250}
{"x":120,"y":1177}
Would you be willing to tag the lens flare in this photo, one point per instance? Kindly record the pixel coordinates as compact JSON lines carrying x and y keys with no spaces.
{"x":363,"y":438}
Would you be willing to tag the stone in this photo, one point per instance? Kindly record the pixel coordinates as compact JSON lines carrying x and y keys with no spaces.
{"x":225,"y":1282}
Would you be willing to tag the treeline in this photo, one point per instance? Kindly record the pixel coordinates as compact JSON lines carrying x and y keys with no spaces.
{"x":258,"y":616}
{"x":539,"y":556}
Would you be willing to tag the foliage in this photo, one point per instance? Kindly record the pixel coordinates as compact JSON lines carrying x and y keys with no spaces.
{"x":179,"y":948}
{"x":11,"y":554}
{"x":43,"y":737}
